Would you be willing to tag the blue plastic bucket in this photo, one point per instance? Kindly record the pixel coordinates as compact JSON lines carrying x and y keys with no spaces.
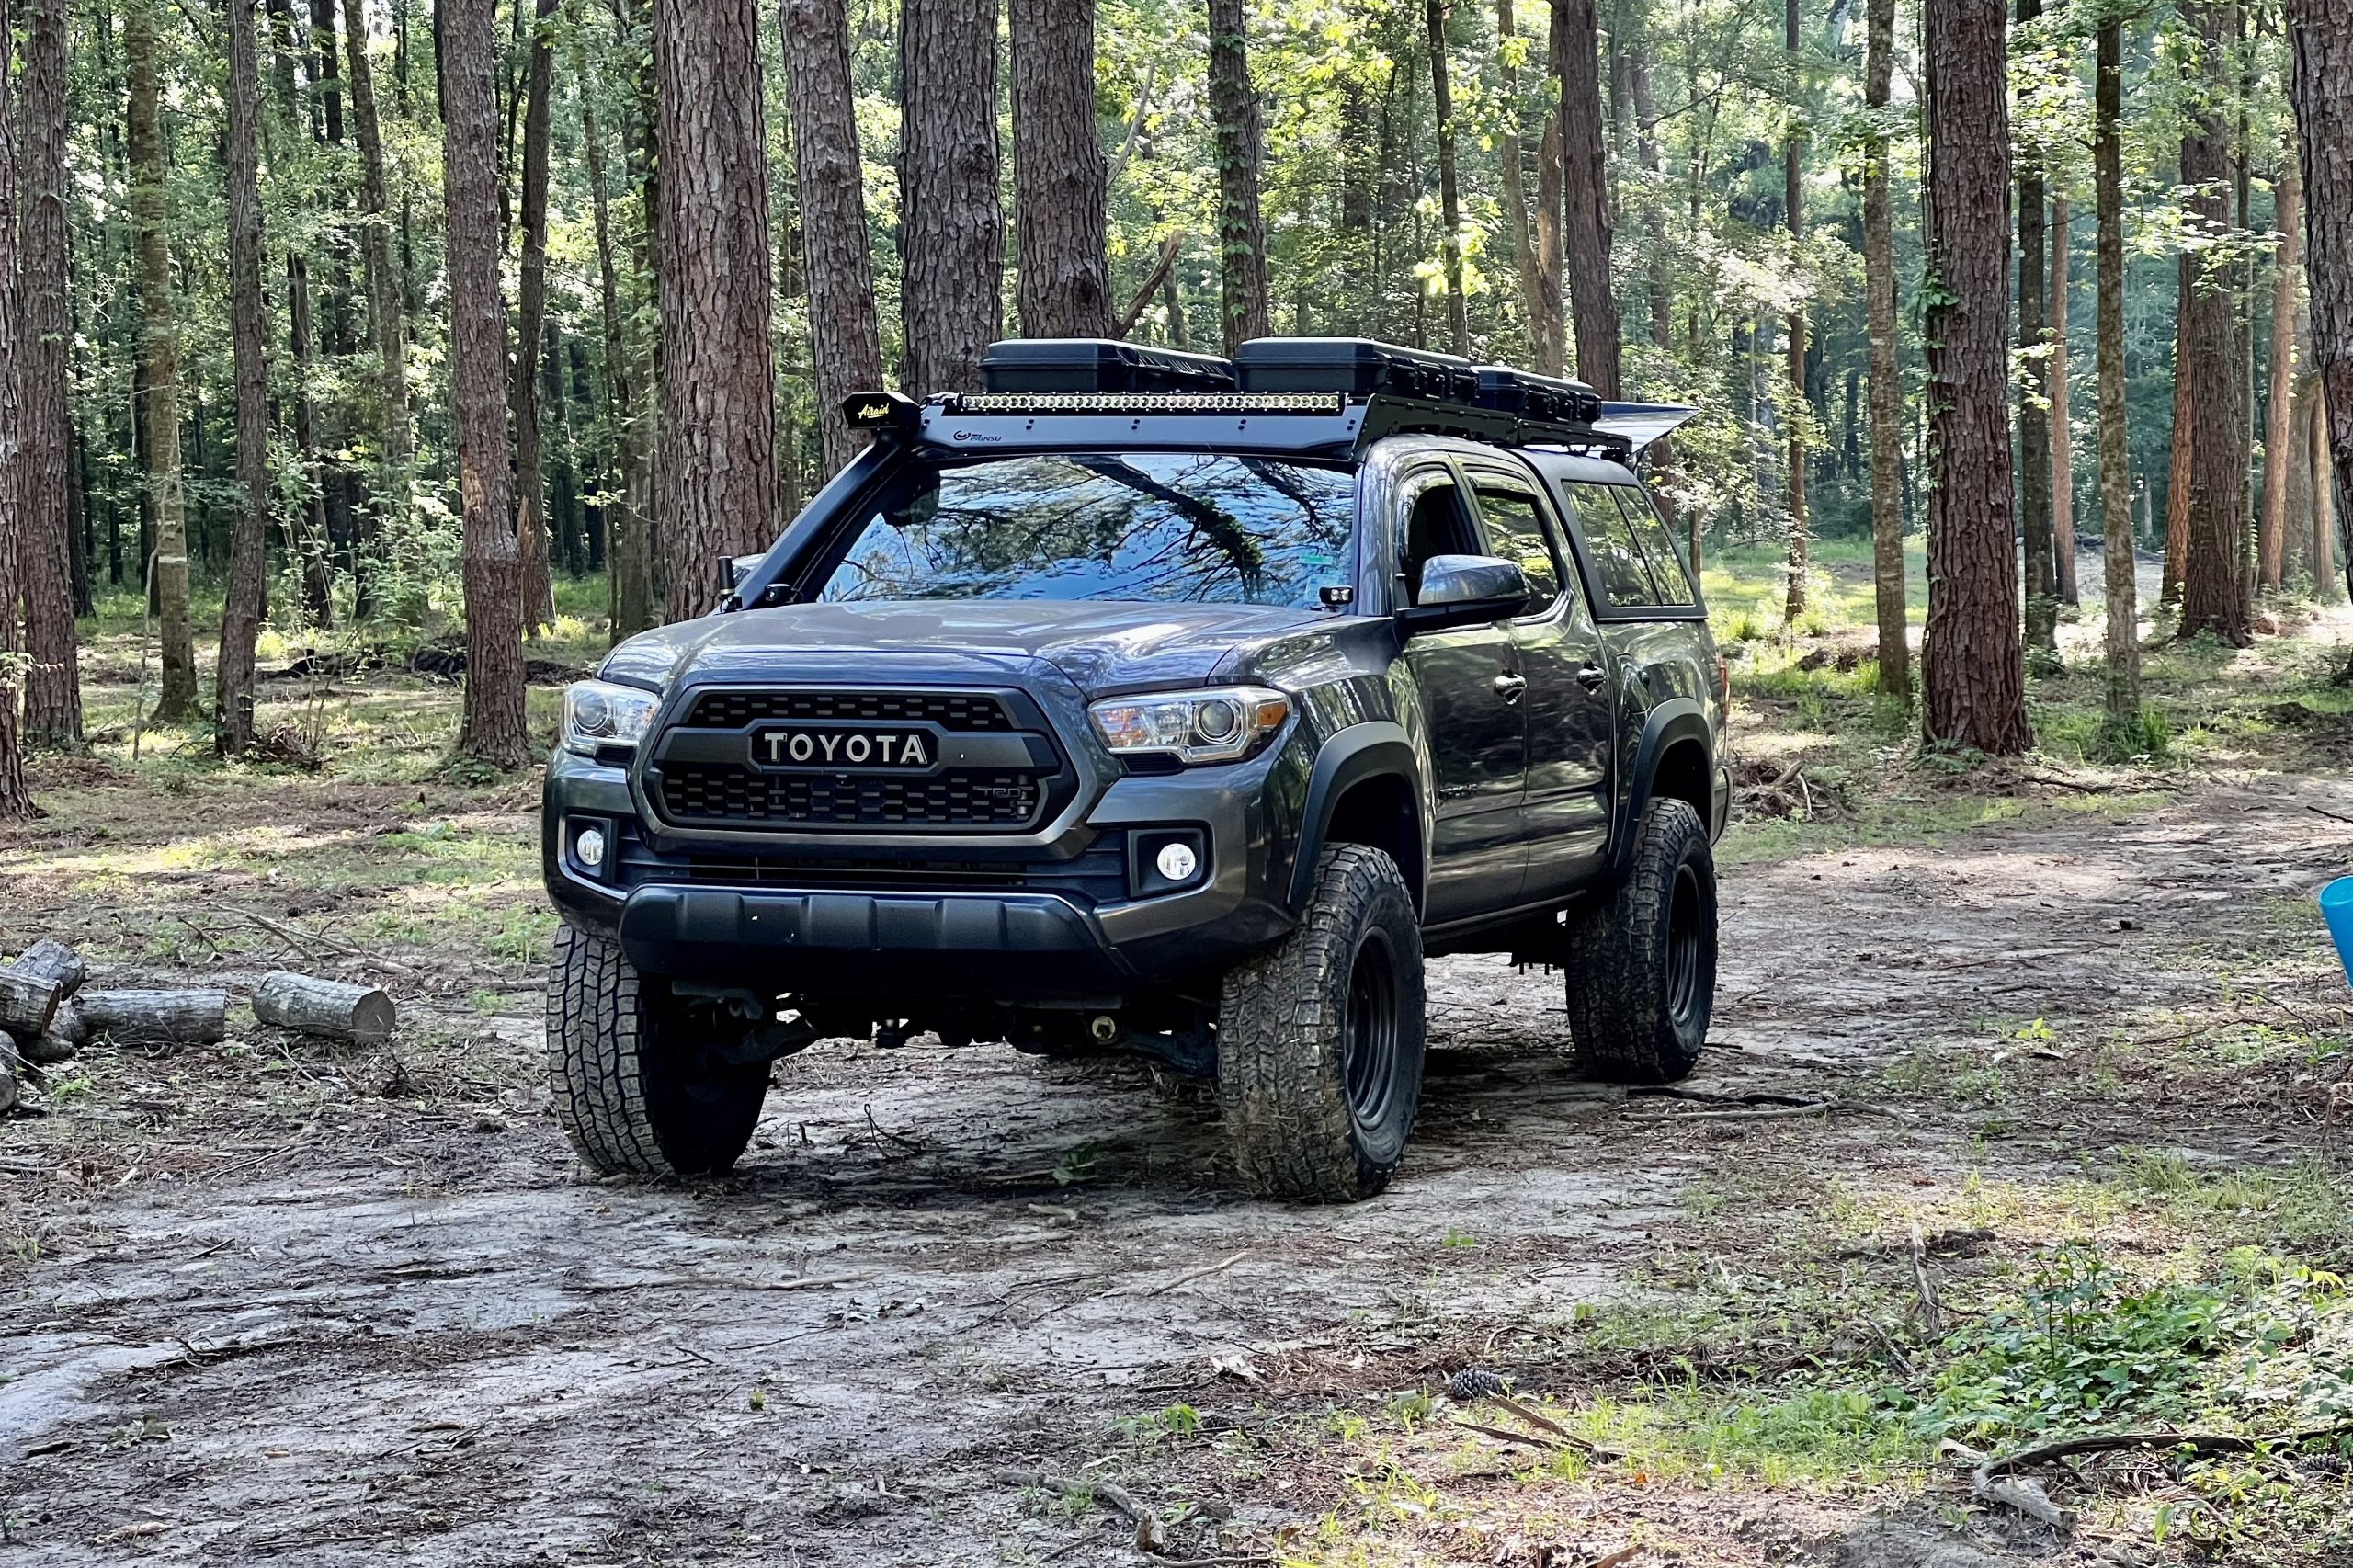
{"x":2336,"y":908}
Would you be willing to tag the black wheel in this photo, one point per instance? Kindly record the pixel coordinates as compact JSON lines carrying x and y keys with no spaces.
{"x":1642,"y":964}
{"x":1320,"y":1039}
{"x":638,"y":1091}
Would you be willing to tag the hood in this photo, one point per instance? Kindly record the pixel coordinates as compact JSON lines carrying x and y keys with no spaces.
{"x":1099,"y":647}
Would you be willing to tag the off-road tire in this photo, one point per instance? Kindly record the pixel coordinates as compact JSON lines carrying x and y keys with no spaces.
{"x":639,"y":1094}
{"x":1642,"y":963}
{"x":1301,"y":1127}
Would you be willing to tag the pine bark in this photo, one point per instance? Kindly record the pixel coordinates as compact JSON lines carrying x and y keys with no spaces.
{"x":2120,"y":579}
{"x":2278,"y":439}
{"x":1514,"y":182}
{"x":1449,"y":187}
{"x":1593,"y":308}
{"x":241,"y":612}
{"x":2177,"y":551}
{"x":1059,"y":179}
{"x":2214,"y":588}
{"x":1886,"y":384}
{"x":1553,"y":305}
{"x":52,"y":705}
{"x":1971,"y":665}
{"x":2326,"y":583}
{"x":2322,"y":34}
{"x":2034,"y":425}
{"x":1798,"y":408}
{"x":718,"y":476}
{"x":1241,"y":232}
{"x":628,"y":551}
{"x":386,"y":308}
{"x":16,"y":798}
{"x":491,"y":731}
{"x":159,"y":352}
{"x":1655,"y":258}
{"x":2056,"y":376}
{"x":844,"y":339}
{"x":952,"y":228}
{"x":530,"y":315}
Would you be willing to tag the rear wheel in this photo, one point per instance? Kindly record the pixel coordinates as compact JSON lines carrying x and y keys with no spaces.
{"x":641,"y":1090}
{"x":1642,"y":964}
{"x":1320,"y":1039}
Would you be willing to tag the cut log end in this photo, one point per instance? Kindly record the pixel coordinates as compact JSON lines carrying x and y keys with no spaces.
{"x":306,"y":1005}
{"x":27,"y":1001}
{"x":54,"y":961}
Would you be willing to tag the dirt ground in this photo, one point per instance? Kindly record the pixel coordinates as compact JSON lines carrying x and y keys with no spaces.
{"x":280,"y":1302}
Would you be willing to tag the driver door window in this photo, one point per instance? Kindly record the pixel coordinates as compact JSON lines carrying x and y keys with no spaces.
{"x":1435,"y":524}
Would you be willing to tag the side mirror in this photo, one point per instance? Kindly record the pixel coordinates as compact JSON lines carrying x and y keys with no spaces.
{"x":1458,"y":590}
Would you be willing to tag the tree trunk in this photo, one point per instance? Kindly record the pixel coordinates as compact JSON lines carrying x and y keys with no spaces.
{"x":1655,"y":258}
{"x":2213,"y":589}
{"x":15,"y":798}
{"x":2321,"y":31}
{"x":1515,"y":184}
{"x":2034,"y":423}
{"x":2056,"y":375}
{"x":1241,"y":233}
{"x":845,"y":341}
{"x":1798,"y":408}
{"x":951,"y":225}
{"x":717,"y":481}
{"x":1577,"y":58}
{"x":241,"y":610}
{"x":176,"y":702}
{"x":493,"y":730}
{"x":1061,"y":221}
{"x":1887,"y":385}
{"x":1553,"y":306}
{"x":1450,"y":188}
{"x":1971,"y":667}
{"x":2120,"y":568}
{"x":2279,"y":435}
{"x":2178,"y":464}
{"x":386,"y":308}
{"x":628,"y":548}
{"x":531,"y":305}
{"x":311,"y":543}
{"x":45,"y":556}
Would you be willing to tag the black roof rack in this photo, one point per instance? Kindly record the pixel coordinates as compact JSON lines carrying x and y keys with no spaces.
{"x":1398,"y":390}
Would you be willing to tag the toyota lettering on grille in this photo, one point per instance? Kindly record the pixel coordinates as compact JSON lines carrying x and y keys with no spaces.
{"x":891,"y":750}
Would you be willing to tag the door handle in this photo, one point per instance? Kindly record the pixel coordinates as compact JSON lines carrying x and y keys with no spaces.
{"x":1509,"y":687}
{"x":1591,"y":676}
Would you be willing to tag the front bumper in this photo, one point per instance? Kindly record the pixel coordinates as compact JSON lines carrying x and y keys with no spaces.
{"x":1054,"y":916}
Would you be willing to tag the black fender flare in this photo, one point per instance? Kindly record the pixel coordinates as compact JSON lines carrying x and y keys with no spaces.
{"x":1677,"y":718}
{"x":1368,"y":750}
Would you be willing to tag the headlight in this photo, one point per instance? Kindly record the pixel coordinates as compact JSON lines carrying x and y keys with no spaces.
{"x":1224,"y":724}
{"x":599,"y":713}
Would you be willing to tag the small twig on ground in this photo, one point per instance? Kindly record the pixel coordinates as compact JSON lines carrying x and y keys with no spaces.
{"x":1184,"y":1280}
{"x":900,"y":1139}
{"x":2333,"y":816}
{"x":1932,"y":1312}
{"x":1673,"y":1091}
{"x":2122,"y":1442}
{"x":1773,"y":1112}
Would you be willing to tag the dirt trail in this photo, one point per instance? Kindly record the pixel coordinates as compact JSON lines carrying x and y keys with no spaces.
{"x":428,"y":1340}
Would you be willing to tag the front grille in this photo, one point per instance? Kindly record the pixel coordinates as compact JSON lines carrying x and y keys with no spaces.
{"x":1099,"y":875}
{"x":701,"y":792}
{"x":960,"y":711}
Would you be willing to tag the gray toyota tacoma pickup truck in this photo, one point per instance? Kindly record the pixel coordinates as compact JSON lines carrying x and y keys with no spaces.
{"x":1154,"y":703}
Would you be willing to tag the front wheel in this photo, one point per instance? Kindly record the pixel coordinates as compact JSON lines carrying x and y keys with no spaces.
{"x":1319,"y":1048}
{"x":1642,"y":963}
{"x":641,"y":1092}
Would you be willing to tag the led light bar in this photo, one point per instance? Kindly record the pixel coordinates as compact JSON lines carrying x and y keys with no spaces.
{"x":1325,"y":403}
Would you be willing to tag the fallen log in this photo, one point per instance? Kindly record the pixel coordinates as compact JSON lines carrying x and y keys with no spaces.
{"x":309,"y":1005}
{"x":54,"y":961}
{"x":11,"y":1072}
{"x":155,"y":1017}
{"x":26,"y":1004}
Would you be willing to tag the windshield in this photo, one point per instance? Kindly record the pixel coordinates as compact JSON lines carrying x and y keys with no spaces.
{"x":1141,"y":526}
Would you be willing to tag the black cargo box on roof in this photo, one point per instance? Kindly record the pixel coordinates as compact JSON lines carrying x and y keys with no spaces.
{"x":1507,"y":391}
{"x":1354,"y":366}
{"x":1098,"y":364}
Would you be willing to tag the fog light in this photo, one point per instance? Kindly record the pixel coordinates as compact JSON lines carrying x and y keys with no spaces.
{"x":589,"y":848}
{"x":1178,"y":862}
